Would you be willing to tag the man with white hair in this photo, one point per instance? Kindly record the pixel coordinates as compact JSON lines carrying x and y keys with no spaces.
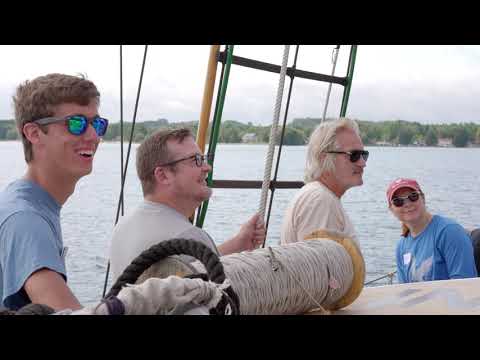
{"x":335,"y":162}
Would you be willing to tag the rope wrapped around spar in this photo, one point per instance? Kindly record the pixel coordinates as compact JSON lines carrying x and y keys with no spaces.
{"x":323,"y":273}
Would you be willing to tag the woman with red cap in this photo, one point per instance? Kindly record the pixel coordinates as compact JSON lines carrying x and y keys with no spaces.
{"x":431,"y":247}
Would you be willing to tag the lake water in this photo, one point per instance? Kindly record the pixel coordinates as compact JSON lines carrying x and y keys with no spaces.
{"x":449,"y":177}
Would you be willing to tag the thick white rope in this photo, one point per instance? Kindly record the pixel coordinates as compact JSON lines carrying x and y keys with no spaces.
{"x":307,"y":274}
{"x":273,"y":134}
{"x":335,"y":57}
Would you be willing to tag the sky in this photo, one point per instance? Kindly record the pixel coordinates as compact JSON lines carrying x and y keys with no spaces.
{"x":428,"y":84}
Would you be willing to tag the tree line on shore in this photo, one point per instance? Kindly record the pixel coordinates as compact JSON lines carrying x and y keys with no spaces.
{"x":297,"y":132}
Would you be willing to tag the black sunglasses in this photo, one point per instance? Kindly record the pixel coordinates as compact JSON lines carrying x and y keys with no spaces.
{"x":199,"y":159}
{"x":354,"y":154}
{"x":399,"y":201}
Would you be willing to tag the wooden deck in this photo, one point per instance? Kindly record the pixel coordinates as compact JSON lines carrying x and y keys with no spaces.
{"x":446,"y":297}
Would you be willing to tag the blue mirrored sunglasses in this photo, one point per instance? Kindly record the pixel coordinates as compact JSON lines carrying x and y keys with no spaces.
{"x":78,"y":124}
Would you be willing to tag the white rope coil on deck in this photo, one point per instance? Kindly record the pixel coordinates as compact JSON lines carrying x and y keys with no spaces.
{"x":324,"y":272}
{"x":322,"y":269}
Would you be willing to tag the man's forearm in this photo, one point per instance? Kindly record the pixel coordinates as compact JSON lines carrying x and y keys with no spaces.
{"x":228,"y":247}
{"x":49,"y":288}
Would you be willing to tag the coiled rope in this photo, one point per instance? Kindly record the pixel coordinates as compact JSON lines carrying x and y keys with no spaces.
{"x":273,"y":134}
{"x":309,"y":275}
{"x":30,"y":309}
{"x":164,"y":249}
{"x":295,"y":278}
{"x":326,"y":273}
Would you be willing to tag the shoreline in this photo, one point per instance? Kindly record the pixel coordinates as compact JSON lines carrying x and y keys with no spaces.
{"x":263,"y":143}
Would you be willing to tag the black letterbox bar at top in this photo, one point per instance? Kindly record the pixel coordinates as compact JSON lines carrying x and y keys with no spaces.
{"x":260,"y":65}
{"x":255,"y":184}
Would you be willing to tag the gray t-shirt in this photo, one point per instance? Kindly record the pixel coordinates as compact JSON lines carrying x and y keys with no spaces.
{"x":30,"y":239}
{"x":149,"y":224}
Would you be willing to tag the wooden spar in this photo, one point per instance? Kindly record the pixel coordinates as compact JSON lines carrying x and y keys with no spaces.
{"x":207,"y":97}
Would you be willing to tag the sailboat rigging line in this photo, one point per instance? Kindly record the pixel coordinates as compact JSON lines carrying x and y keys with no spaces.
{"x":121,"y":125}
{"x":128,"y":156}
{"x":282,"y":135}
{"x":220,"y":82}
{"x":273,"y":133}
{"x":335,"y":52}
{"x":216,"y":128}
{"x":133,"y":127}
{"x":348,"y":86}
{"x":390,"y":275}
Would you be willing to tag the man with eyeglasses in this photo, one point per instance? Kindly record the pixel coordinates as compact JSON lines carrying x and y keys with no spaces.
{"x":335,"y":163}
{"x":173,"y":174}
{"x":53,"y":114}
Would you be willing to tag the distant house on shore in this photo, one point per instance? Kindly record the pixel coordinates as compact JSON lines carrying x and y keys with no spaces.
{"x":249,"y":138}
{"x":383,"y":143}
{"x":445,"y":142}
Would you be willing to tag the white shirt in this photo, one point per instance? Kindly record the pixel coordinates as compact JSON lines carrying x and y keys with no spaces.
{"x":315,"y":207}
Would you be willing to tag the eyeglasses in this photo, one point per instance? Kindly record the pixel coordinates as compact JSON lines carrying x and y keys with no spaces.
{"x":199,"y":159}
{"x":399,"y":201}
{"x":354,"y":154}
{"x":78,"y":124}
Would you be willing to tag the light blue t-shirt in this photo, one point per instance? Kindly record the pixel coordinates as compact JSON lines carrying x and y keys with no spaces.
{"x":30,"y":239}
{"x":440,"y":252}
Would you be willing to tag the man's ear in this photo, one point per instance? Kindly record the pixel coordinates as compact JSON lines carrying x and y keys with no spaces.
{"x":32,"y":132}
{"x":161,"y":174}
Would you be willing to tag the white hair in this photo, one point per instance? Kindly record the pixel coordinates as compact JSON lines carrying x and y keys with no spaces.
{"x":323,"y":139}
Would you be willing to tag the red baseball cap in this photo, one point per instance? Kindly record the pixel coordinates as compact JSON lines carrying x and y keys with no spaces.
{"x":401,"y":183}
